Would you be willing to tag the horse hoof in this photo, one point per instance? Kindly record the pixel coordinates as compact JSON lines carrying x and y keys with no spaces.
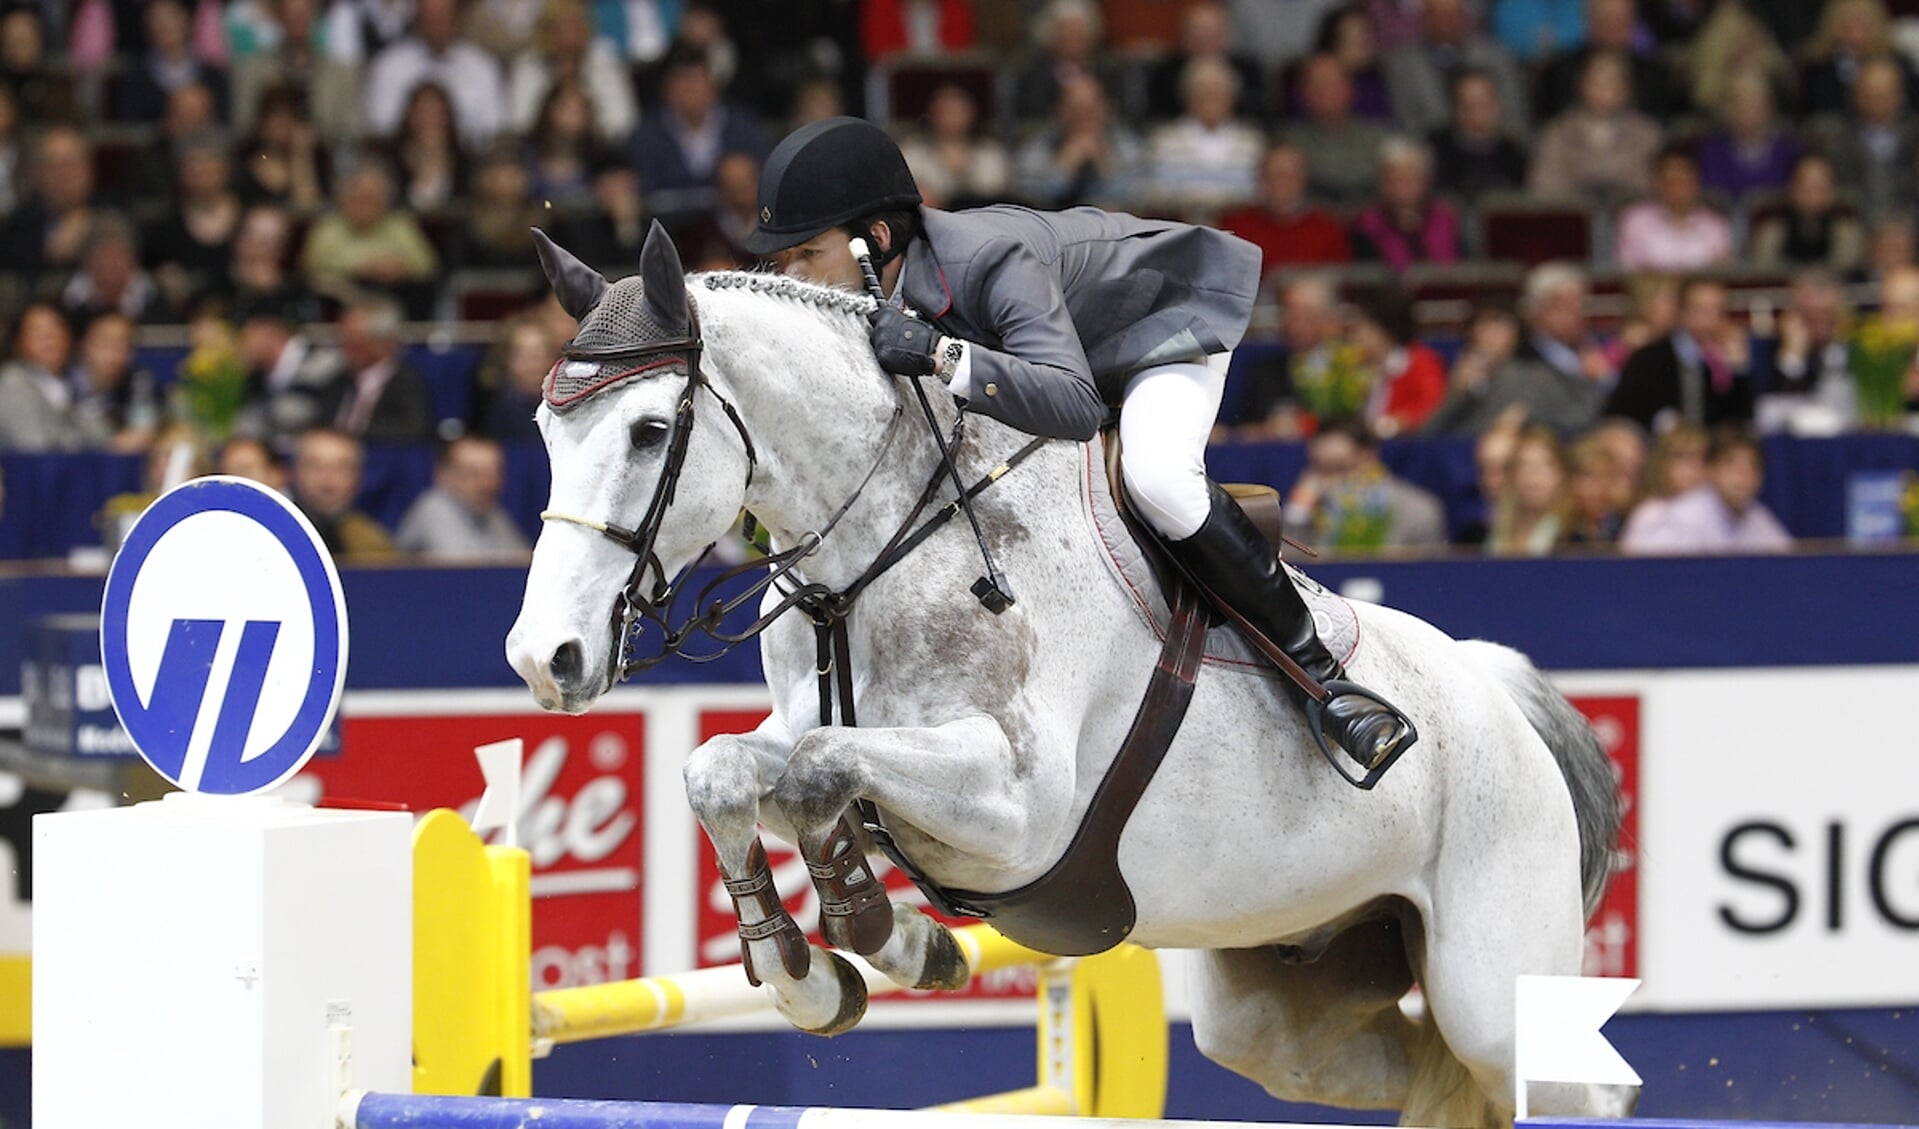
{"x":852,"y":998}
{"x":945,"y":969}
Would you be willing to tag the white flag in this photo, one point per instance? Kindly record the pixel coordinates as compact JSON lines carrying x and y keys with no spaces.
{"x":1556,"y":1032}
{"x":500,"y":804}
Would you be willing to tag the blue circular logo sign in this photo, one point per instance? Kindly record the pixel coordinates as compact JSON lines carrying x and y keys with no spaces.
{"x":224,"y":636}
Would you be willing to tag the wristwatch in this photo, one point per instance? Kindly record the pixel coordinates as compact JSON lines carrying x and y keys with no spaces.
{"x":947,"y":356}
{"x":946,"y":360}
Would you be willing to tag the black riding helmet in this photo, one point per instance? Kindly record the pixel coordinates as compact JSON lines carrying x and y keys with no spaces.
{"x":826,"y":174}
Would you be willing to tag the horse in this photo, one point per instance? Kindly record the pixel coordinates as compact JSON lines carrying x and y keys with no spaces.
{"x":1315,"y":907}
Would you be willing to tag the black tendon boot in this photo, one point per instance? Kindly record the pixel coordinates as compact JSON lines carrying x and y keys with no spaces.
{"x":1240,"y":568}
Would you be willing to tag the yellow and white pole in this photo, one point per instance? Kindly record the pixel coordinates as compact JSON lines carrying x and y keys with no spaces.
{"x":654,"y":1003}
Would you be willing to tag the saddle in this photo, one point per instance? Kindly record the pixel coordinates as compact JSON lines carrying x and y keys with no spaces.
{"x":1261,"y":503}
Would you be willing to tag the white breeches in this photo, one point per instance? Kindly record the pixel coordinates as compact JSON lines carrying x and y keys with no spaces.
{"x":1164,"y":422}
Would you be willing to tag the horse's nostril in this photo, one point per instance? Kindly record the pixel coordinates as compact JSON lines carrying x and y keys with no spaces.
{"x":567,"y":664}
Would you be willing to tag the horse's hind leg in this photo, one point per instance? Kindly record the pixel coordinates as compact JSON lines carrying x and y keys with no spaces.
{"x":725,"y":780}
{"x":1330,"y":1031}
{"x":1510,"y":910}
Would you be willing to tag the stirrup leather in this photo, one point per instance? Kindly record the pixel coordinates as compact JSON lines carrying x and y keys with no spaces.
{"x":1340,"y":757}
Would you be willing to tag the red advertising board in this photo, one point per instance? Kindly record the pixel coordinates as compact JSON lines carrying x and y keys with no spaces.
{"x":1612,"y":936}
{"x":581,"y":817}
{"x":718,"y":939}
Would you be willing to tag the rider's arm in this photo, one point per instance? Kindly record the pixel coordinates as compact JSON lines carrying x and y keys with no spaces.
{"x":1040,"y":381}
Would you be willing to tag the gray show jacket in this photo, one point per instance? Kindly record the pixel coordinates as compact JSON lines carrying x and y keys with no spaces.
{"x":1061,"y":308}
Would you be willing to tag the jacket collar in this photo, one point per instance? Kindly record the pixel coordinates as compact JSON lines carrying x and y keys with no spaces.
{"x":922,"y":279}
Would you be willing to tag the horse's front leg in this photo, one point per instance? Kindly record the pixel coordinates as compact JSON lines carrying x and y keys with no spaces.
{"x":725,"y":781}
{"x":954,"y":782}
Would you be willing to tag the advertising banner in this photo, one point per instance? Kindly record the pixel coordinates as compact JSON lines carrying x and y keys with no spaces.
{"x":1769,"y":856}
{"x":582,"y":816}
{"x":1781,"y":840}
{"x":1612,"y":936}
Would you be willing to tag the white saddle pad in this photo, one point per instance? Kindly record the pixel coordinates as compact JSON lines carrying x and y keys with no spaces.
{"x":1337,"y":623}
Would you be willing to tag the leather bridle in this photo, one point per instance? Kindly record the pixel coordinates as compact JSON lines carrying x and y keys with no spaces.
{"x":635,"y":607}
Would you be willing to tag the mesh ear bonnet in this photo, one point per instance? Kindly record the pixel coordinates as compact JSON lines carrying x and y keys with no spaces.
{"x":602,"y":354}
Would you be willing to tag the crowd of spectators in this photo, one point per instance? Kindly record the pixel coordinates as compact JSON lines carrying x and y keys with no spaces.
{"x":1713,"y":200}
{"x":1576,"y":435}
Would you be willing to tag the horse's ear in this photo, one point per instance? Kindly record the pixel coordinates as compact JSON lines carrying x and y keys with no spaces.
{"x":665,"y":281}
{"x":577,"y":286}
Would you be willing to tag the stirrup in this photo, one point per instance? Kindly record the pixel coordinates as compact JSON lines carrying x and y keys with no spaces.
{"x":1339,"y":756}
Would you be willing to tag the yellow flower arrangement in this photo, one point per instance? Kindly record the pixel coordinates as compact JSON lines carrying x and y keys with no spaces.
{"x":1882,"y":353}
{"x":1335,"y":381}
{"x":212,"y":384}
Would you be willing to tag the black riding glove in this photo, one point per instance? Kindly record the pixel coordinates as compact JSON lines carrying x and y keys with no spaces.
{"x":903,"y":345}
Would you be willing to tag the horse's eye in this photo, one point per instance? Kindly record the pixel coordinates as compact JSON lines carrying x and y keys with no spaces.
{"x":649,"y":433}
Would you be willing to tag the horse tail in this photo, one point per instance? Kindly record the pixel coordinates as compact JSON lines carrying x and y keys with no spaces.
{"x":1589,"y":774}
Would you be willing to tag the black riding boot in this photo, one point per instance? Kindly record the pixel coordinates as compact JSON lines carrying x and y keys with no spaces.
{"x":1239,"y":567}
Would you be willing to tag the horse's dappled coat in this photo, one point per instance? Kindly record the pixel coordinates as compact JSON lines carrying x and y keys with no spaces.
{"x":983,"y":736}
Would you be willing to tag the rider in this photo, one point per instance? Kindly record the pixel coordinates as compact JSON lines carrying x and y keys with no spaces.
{"x":1044,"y":320}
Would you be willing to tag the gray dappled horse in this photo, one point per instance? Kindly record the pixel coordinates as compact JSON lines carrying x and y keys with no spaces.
{"x":982,"y":737}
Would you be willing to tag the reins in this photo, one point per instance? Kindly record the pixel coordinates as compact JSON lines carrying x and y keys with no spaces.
{"x":778,"y":566}
{"x":828,"y":609}
{"x":833,"y":644}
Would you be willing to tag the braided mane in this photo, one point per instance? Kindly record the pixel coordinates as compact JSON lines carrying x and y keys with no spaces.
{"x":829,"y":298}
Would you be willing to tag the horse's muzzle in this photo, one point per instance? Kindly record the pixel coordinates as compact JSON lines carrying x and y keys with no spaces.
{"x":557,"y":674}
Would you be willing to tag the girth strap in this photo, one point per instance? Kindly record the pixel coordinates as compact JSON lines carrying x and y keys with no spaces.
{"x":1082,"y":905}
